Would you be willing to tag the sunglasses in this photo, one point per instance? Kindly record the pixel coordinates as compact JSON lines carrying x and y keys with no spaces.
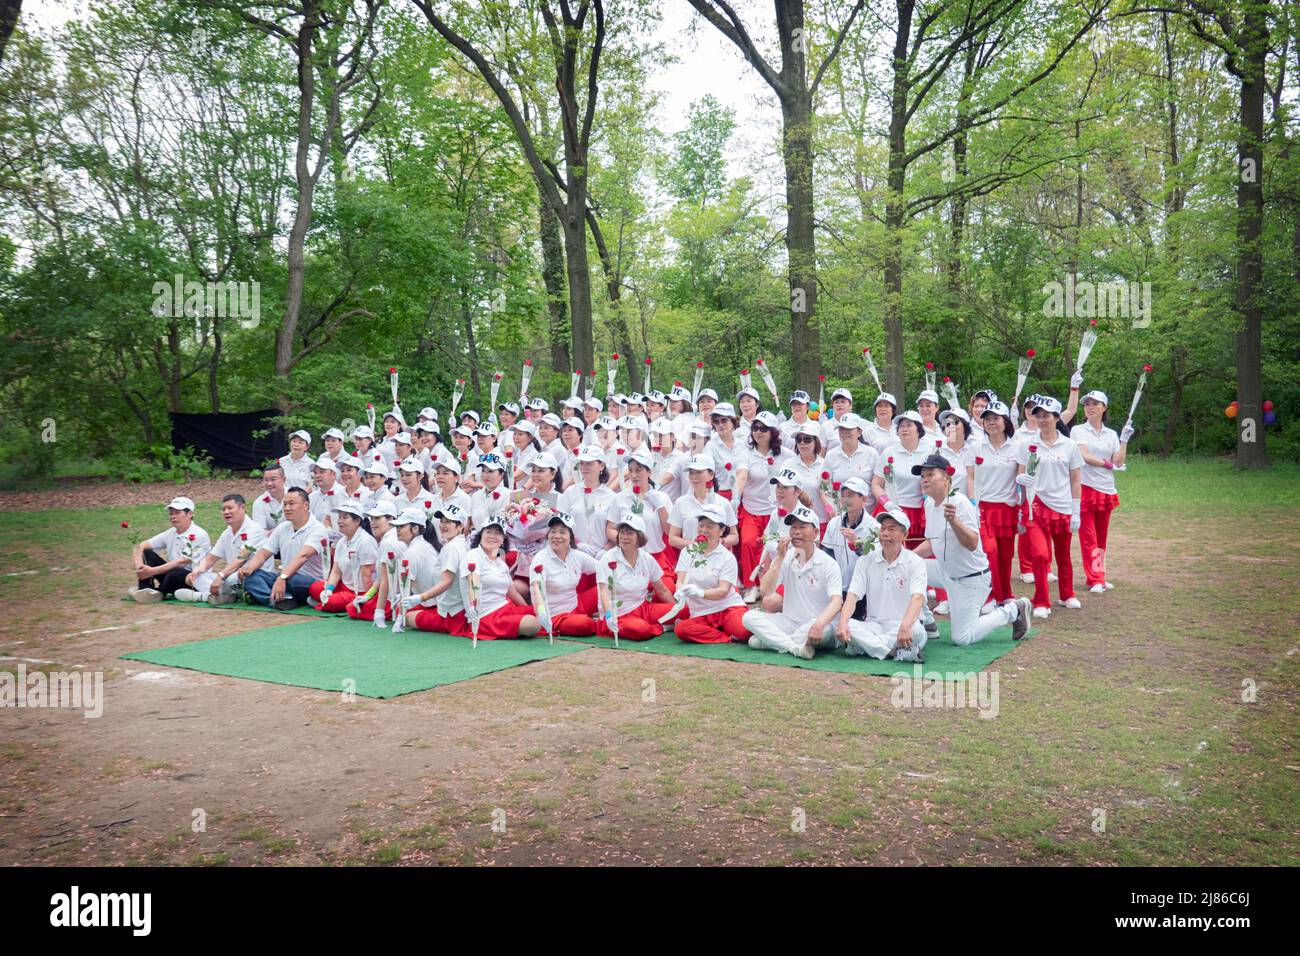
{"x":805,"y":438}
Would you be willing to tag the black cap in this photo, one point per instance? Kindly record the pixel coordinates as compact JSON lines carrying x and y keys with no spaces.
{"x":934,"y":461}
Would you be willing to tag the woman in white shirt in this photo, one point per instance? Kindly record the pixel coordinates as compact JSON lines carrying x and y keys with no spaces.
{"x":588,"y":500}
{"x":808,"y":463}
{"x":956,"y":446}
{"x":486,"y":581}
{"x":1103,"y":451}
{"x":726,"y":450}
{"x":352,"y":571}
{"x":687,"y":509}
{"x":896,"y":485}
{"x":754,"y":499}
{"x":447,"y":615}
{"x":879,"y":433}
{"x":852,"y":457}
{"x":556,"y":576}
{"x":633,"y":573}
{"x":991,"y":478}
{"x":1053,"y":504}
{"x":493,"y":497}
{"x":640,"y":497}
{"x":709,"y":580}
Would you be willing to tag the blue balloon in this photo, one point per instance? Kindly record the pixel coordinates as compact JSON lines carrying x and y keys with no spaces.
{"x":1270,"y":418}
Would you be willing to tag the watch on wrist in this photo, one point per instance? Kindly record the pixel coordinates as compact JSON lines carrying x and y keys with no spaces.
{"x":283,"y":576}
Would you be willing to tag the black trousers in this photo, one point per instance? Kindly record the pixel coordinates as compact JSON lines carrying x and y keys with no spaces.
{"x":167,"y":583}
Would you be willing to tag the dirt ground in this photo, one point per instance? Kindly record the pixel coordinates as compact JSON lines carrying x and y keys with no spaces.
{"x":569,"y":760}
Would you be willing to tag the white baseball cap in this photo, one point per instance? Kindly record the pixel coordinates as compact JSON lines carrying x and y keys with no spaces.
{"x":802,"y":514}
{"x":403,"y":437}
{"x":334,"y":433}
{"x":841,"y":393}
{"x":714,"y":513}
{"x":725,"y":409}
{"x":303,"y":434}
{"x":325,"y":463}
{"x":751,"y":392}
{"x":910,"y":416}
{"x":429,"y":426}
{"x":539,"y":405}
{"x":953,"y":413}
{"x":450,"y":512}
{"x":700,"y":463}
{"x":605,"y":423}
{"x":352,"y":506}
{"x":511,"y":407}
{"x":886,"y":397}
{"x":363,"y":431}
{"x":428,"y":412}
{"x":348,"y":461}
{"x":680,"y":393}
{"x":656,"y":396}
{"x":849,"y":420}
{"x":708,"y":393}
{"x":702,"y":429}
{"x":661,"y":426}
{"x":375,"y":468}
{"x":633,"y":521}
{"x":451,"y":464}
{"x":412,"y":465}
{"x":181,"y":503}
{"x":636,"y":398}
{"x":411,"y":516}
{"x":785,"y":477}
{"x":809,"y":428}
{"x":1097,"y":395}
{"x":492,"y":461}
{"x":493,"y":521}
{"x":859,"y":484}
{"x":544,"y":460}
{"x":1047,"y":403}
{"x":928,"y":395}
{"x":642,"y":457}
{"x":799,"y":395}
{"x":768,"y":419}
{"x":591,"y":453}
{"x":384,"y":508}
{"x":898,"y":515}
{"x":595,"y":403}
{"x":464,"y":430}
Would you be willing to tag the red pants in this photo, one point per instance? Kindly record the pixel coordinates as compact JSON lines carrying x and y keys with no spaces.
{"x":588,"y":595}
{"x":998,"y":538}
{"x":367,"y":612}
{"x":725,"y":494}
{"x":428,"y":619}
{"x":1050,"y":530}
{"x":339,"y":600}
{"x":639,"y":624}
{"x":717,"y":628}
{"x":668,"y":564}
{"x":501,"y":624}
{"x":1094,"y":526}
{"x":573,"y":624}
{"x":916,"y":526}
{"x":750,"y":552}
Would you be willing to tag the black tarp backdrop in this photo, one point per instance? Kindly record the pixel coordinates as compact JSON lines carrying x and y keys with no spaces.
{"x":228,"y":438}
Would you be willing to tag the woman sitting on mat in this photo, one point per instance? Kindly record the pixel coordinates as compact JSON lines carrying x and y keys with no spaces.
{"x":708,"y":578}
{"x":485,"y":585}
{"x":565,"y":579}
{"x":634,"y":572}
{"x":442,"y":606}
{"x":352,"y":571}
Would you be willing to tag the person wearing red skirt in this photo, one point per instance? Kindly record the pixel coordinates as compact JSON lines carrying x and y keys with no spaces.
{"x":447,"y":615}
{"x":352,"y":570}
{"x":1052,"y":506}
{"x":487,"y":586}
{"x":640,"y":496}
{"x":1103,"y":451}
{"x":708,"y":578}
{"x":992,"y":481}
{"x":633,"y":574}
{"x":555,"y":580}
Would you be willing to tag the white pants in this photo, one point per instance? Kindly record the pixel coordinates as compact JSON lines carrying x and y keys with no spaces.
{"x":965,"y":598}
{"x":203,"y":583}
{"x":879,"y":638}
{"x":780,"y":632}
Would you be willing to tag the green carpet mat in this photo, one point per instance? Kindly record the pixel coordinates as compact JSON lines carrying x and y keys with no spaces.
{"x":941,"y":655}
{"x":325,"y":653}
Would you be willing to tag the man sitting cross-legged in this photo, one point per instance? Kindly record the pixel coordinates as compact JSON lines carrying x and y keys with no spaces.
{"x":296,"y":541}
{"x":892,"y":581}
{"x":810,"y":579}
{"x":213,"y":579}
{"x":181,"y":545}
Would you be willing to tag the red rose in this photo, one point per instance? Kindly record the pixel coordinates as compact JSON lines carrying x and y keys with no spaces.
{"x":1093,"y":323}
{"x":126,"y":524}
{"x":613,"y":565}
{"x":771,"y":460}
{"x":510,"y":453}
{"x":405,"y":563}
{"x":891,"y":459}
{"x":951,"y":471}
{"x":1146,"y":368}
{"x":929,"y":365}
{"x":835,"y":486}
{"x":636,"y":489}
{"x":191,"y":537}
{"x":496,"y":495}
{"x":979,"y":461}
{"x":821,"y":378}
{"x":391,"y":371}
{"x":622,"y":451}
{"x":744,"y":371}
{"x":538,"y":569}
{"x":1030,"y":353}
{"x":615,"y":356}
{"x":647,"y":361}
{"x":699,"y":365}
{"x":677,"y":383}
{"x":528,"y":361}
{"x":472,"y":567}
{"x":370,"y":404}
{"x":391,"y":555}
{"x":866,"y":351}
{"x":330,"y":492}
{"x":574,"y":450}
{"x":586,"y":491}
{"x":497,"y":376}
{"x":267,"y":499}
{"x":938,"y":443}
{"x":428,"y":504}
{"x":1033,"y":448}
{"x":537,"y":501}
{"x":243,"y":535}
{"x":760,"y":361}
{"x":947,"y":379}
{"x":826,"y":476}
{"x":701,"y":538}
{"x":727,"y":466}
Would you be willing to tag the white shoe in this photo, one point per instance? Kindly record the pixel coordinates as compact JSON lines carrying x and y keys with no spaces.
{"x":1051,"y":576}
{"x":931,"y":594}
{"x":1042,"y":612}
{"x":188,"y":595}
{"x":146,"y":596}
{"x":1097,"y":589}
{"x":1108,"y":585}
{"x":806,"y":651}
{"x":1072,"y":603}
{"x":224,"y":597}
{"x":755,"y":643}
{"x":750,"y":595}
{"x":941,"y":607}
{"x":1028,"y":578}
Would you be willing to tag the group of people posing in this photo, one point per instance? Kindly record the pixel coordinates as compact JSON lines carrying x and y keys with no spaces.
{"x":792,"y":532}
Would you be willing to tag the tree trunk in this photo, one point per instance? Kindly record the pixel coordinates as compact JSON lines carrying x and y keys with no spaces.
{"x":467,"y":321}
{"x":800,"y":239}
{"x":579,"y":274}
{"x":895,"y":214}
{"x":174,"y":367}
{"x":557,"y":309}
{"x":214,"y":366}
{"x":1251,"y":448}
{"x":1177,"y":373}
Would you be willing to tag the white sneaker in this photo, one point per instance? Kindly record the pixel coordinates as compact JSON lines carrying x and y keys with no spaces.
{"x":188,"y":595}
{"x":1028,"y":578}
{"x":1042,"y":612}
{"x":1051,"y":576}
{"x":1097,"y":589}
{"x":146,"y":596}
{"x":941,"y":607}
{"x":806,"y":651}
{"x":1108,"y":585}
{"x":1072,"y":603}
{"x":750,"y":595}
{"x":755,"y":643}
{"x":931,"y":594}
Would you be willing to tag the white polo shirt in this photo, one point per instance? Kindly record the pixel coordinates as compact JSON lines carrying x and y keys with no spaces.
{"x":1052,"y":477}
{"x":877,"y":436}
{"x":685,"y":513}
{"x":193,"y":544}
{"x":588,"y":511}
{"x":561,"y":577}
{"x":957,"y":562}
{"x":724,"y":478}
{"x":809,"y":585}
{"x":995,"y":479}
{"x":297,"y":473}
{"x":845,"y":557}
{"x":483,"y":504}
{"x":285,"y":542}
{"x":494,"y":580}
{"x":457,"y":498}
{"x":232,"y":543}
{"x":423,"y":501}
{"x":268,"y":512}
{"x":864,"y":462}
{"x":350,"y":554}
{"x":425,"y":567}
{"x":1103,"y":444}
{"x":670,"y":465}
{"x":788,"y":429}
{"x":959,"y":460}
{"x":631,"y":580}
{"x":906,"y":486}
{"x":451,"y":558}
{"x":887,"y":587}
{"x":651,"y":502}
{"x":717,"y":566}
{"x":810,"y":480}
{"x":757,"y":498}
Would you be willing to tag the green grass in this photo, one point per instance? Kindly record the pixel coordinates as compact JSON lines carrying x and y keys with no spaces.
{"x":1204,"y":485}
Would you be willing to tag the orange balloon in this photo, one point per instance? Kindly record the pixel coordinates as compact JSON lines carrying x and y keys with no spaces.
{"x":1231,"y":411}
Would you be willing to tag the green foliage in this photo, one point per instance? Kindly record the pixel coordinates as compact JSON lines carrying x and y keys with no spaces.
{"x":161,"y":463}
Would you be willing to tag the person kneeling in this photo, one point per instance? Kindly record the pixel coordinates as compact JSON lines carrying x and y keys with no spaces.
{"x":892,"y":581}
{"x":811,"y":581}
{"x":353,"y":566}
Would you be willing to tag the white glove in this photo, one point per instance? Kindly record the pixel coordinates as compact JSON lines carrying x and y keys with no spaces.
{"x":410,"y":601}
{"x":1075,"y":520}
{"x":359,"y":600}
{"x":1015,"y":411}
{"x":1024,"y":480}
{"x":325,"y":595}
{"x":692,"y":590}
{"x":379,"y":618}
{"x":1076,"y":379}
{"x":1126,"y":433}
{"x":398,"y":626}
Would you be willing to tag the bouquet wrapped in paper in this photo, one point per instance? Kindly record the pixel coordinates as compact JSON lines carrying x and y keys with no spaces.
{"x":770,"y":382}
{"x":930,"y":375}
{"x":1086,"y":343}
{"x":611,"y":372}
{"x":645,"y":390}
{"x":525,"y":378}
{"x":950,"y":393}
{"x":699,"y":383}
{"x":871,"y":367}
{"x":457,"y":393}
{"x":1023,"y":366}
{"x":494,"y":392}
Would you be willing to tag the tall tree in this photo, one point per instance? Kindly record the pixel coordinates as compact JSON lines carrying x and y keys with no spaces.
{"x":796,"y":94}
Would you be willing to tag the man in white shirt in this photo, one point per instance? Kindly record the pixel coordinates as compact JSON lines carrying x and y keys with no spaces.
{"x":811,"y":581}
{"x":297,"y":464}
{"x":952,"y":529}
{"x":296,"y":541}
{"x":841,"y":405}
{"x":182,"y":546}
{"x":892,"y":581}
{"x":213,"y":579}
{"x":268,"y":509}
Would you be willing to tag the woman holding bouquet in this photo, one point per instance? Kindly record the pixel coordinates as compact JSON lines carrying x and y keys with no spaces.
{"x":709,"y":580}
{"x":1103,"y":451}
{"x":486,"y":581}
{"x":633,"y":573}
{"x":992,"y":480}
{"x":1049,"y":471}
